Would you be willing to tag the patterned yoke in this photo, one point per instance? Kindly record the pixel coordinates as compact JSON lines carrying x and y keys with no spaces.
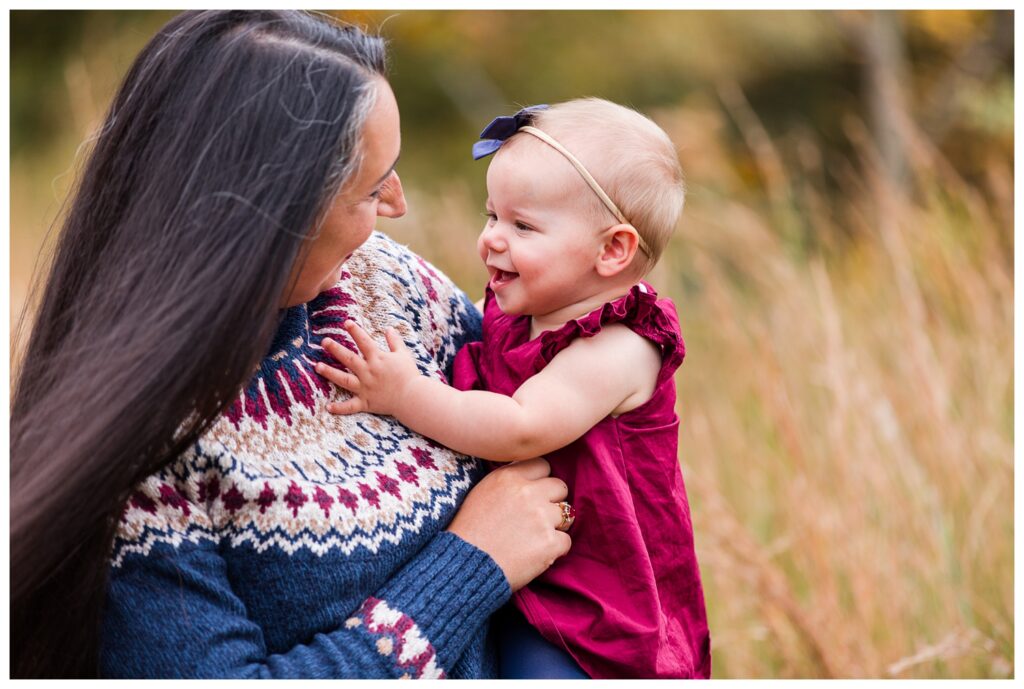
{"x":294,"y":543}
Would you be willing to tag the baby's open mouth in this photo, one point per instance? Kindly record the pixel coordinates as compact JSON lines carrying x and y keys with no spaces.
{"x":502,"y":277}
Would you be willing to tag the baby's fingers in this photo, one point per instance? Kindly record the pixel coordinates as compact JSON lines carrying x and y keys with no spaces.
{"x":395,"y":343}
{"x":367,"y":347}
{"x":338,"y":377}
{"x":345,"y":356}
{"x":354,"y":405}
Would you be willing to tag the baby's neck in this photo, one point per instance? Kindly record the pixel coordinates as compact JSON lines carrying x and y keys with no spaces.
{"x":578,"y":309}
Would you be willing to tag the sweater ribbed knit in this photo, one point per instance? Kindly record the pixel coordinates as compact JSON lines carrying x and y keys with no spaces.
{"x":293,"y":543}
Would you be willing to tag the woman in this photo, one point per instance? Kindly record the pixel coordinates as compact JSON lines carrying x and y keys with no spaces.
{"x":175,"y":514}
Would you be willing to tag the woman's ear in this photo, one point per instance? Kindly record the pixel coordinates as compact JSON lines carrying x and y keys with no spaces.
{"x":619,"y":245}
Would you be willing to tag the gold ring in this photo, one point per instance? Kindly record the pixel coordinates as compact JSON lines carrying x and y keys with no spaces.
{"x":568,"y":516}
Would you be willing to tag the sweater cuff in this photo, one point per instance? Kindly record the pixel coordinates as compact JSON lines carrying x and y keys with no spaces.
{"x":449,"y":590}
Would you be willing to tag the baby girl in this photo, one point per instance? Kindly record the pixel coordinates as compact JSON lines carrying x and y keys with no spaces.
{"x":576,"y":364}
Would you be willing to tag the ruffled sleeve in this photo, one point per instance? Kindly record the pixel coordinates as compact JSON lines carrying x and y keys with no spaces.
{"x":641,"y":311}
{"x":468,"y":371}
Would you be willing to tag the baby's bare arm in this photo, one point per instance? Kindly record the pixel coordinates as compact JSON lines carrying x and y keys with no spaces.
{"x":583,"y":384}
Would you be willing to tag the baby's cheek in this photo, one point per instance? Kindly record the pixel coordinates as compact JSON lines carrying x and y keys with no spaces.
{"x":480,"y":248}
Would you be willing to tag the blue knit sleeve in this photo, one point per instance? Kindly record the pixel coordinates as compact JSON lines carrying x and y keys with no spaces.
{"x":172,"y":613}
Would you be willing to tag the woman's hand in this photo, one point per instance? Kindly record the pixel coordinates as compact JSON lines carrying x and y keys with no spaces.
{"x":511,"y":515}
{"x":376,"y":379}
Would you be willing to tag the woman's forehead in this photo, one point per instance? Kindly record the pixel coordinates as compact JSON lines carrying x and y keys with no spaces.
{"x":381,"y":139}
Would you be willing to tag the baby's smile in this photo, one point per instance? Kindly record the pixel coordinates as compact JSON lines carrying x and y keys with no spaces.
{"x":500,"y":278}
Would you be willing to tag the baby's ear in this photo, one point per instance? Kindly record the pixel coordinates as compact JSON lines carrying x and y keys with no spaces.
{"x":619,"y":245}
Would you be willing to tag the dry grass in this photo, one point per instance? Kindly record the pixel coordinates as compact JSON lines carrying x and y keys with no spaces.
{"x":847,"y":411}
{"x":847,"y":434}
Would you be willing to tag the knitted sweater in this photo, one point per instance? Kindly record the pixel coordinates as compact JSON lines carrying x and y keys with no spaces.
{"x":293,"y":543}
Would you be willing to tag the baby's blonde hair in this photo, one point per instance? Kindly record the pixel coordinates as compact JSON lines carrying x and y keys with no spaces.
{"x":632,"y":159}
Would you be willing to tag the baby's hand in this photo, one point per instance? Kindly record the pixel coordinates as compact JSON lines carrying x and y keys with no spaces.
{"x":376,"y":379}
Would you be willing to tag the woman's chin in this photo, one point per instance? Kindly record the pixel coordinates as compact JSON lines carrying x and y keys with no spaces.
{"x":334,"y":278}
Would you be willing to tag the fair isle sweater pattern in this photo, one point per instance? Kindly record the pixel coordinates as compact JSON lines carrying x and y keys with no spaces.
{"x":261,"y":475}
{"x":278,"y":474}
{"x":399,"y":639}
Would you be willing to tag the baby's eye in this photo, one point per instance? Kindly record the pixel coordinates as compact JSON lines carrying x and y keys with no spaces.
{"x":523,"y":227}
{"x":490,"y":215}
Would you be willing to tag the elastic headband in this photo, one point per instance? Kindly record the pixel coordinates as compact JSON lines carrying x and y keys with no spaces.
{"x":502,"y":128}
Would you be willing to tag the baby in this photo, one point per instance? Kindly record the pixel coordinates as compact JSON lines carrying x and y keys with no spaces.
{"x":576,"y":364}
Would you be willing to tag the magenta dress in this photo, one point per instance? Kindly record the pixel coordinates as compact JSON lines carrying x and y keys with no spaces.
{"x":627,"y":600}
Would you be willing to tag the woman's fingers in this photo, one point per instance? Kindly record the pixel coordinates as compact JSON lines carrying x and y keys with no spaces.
{"x":556,"y":519}
{"x":512,"y":515}
{"x":564,"y":541}
{"x":367,"y":347}
{"x":531,"y":468}
{"x":554,"y":489}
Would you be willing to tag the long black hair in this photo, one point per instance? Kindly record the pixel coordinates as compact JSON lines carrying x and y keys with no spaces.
{"x":218,"y":158}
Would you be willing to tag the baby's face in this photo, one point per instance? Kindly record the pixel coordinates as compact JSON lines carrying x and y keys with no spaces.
{"x":541,"y":240}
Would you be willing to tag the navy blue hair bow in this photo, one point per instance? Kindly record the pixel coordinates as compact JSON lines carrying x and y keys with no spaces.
{"x":500,"y":128}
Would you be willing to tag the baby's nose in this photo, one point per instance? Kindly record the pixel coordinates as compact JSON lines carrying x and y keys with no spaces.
{"x":493,"y":239}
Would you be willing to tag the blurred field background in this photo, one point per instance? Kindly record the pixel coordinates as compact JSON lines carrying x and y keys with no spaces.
{"x":843,"y":274}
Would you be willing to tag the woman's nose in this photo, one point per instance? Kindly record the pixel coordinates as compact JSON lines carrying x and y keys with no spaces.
{"x":392,"y":198}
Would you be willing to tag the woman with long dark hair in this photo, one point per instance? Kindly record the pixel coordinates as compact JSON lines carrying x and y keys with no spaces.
{"x":180,"y":503}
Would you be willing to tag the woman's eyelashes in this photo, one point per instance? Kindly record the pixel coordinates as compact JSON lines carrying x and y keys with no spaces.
{"x":383,"y":186}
